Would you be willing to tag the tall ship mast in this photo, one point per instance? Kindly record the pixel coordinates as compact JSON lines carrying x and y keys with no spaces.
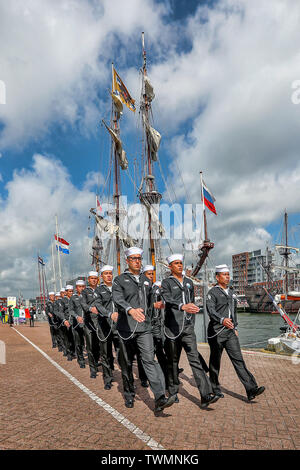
{"x":148,"y":194}
{"x":112,"y":250}
{"x":111,"y":222}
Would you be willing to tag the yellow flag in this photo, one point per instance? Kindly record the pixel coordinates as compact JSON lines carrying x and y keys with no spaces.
{"x":119,"y":89}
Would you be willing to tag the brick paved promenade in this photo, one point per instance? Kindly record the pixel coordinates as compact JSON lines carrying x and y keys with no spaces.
{"x":41,"y":408}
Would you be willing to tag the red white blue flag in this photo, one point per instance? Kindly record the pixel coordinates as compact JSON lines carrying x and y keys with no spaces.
{"x":209,"y":199}
{"x":61,"y":240}
{"x":62,"y":245}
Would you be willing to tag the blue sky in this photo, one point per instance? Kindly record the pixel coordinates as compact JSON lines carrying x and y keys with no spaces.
{"x":222,"y":80}
{"x":66,"y":142}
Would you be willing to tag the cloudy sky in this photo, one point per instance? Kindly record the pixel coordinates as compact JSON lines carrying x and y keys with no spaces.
{"x":223,"y":73}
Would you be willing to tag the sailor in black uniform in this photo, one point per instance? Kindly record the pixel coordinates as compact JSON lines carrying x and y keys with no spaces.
{"x":49,"y":314}
{"x":103,"y":316}
{"x":58,"y":324}
{"x":88,"y":296}
{"x":132,"y":296}
{"x":157,"y":321}
{"x":222,"y":334}
{"x":69,"y":333}
{"x":178,"y":294}
{"x":76,"y":321}
{"x":63,"y":324}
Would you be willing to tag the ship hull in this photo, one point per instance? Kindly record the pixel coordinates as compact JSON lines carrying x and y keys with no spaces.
{"x":259,"y":301}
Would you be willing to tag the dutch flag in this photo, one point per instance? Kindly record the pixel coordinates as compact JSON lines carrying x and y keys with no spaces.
{"x":62,"y":245}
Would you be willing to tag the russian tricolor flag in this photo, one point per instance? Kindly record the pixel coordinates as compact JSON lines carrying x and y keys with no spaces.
{"x":209,"y":200}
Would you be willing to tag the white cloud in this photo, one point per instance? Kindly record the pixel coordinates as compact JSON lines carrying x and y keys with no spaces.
{"x":58,"y":56}
{"x":27,"y":217}
{"x":234,"y":86}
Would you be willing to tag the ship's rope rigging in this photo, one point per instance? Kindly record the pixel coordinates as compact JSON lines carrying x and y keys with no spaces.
{"x":140,"y":165}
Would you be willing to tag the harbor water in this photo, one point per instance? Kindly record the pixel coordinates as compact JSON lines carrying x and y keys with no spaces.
{"x":253,"y":328}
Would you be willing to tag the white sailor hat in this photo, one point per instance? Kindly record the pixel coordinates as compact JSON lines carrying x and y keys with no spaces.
{"x":189,"y":267}
{"x":51,"y":293}
{"x":57,"y":294}
{"x":80,"y":282}
{"x":93,"y":273}
{"x":148,"y":267}
{"x":175,"y":257}
{"x":62,"y":289}
{"x":134,"y":250}
{"x":222,"y":268}
{"x":107,"y":267}
{"x":157,"y":283}
{"x":69,"y":287}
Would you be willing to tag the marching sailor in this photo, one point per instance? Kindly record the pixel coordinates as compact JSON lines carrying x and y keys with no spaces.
{"x":157,"y":321}
{"x":222,"y":334}
{"x":132,"y":296}
{"x":88,"y":296}
{"x":178,"y":294}
{"x":103,"y":316}
{"x":58,"y":311}
{"x":51,"y":321}
{"x":69,"y":334}
{"x":57,"y":323}
{"x":76,"y":321}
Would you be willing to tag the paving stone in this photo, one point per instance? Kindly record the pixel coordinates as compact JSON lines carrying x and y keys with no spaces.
{"x":42,"y":409}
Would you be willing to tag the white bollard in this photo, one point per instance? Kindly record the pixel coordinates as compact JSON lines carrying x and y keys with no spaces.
{"x":2,"y":353}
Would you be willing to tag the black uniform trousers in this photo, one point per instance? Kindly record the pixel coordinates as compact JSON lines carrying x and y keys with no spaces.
{"x":71,"y":341}
{"x":78,"y":335}
{"x":141,"y":370}
{"x":92,"y":347}
{"x":187,"y":341}
{"x":143,"y":343}
{"x":53,"y":335}
{"x":60,"y":338}
{"x":227,"y":340}
{"x":105,"y":349}
{"x":161,"y":356}
{"x":66,"y":341}
{"x":112,"y":340}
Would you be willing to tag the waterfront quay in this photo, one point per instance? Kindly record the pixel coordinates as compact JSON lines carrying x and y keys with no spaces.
{"x":50,"y":403}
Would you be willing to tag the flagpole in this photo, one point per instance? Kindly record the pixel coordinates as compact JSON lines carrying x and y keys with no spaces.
{"x":53,"y":264}
{"x":117,"y":190}
{"x":203,"y":207}
{"x":58,"y":253}
{"x":39,"y":278}
{"x":43,"y":281}
{"x":205,"y":267}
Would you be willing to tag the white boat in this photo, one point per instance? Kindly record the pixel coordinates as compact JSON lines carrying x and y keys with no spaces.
{"x":289,"y":341}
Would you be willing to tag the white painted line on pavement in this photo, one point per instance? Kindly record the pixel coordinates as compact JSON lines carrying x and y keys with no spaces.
{"x":114,"y":413}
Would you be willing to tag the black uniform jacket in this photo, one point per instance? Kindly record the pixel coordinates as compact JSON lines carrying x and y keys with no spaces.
{"x":88,"y":296}
{"x":218,"y":305}
{"x":49,"y":309}
{"x":65,"y":305}
{"x":75,"y":310}
{"x":128,"y":293}
{"x":157,"y":319}
{"x":175,"y":295}
{"x":104,"y":304}
{"x":58,"y":311}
